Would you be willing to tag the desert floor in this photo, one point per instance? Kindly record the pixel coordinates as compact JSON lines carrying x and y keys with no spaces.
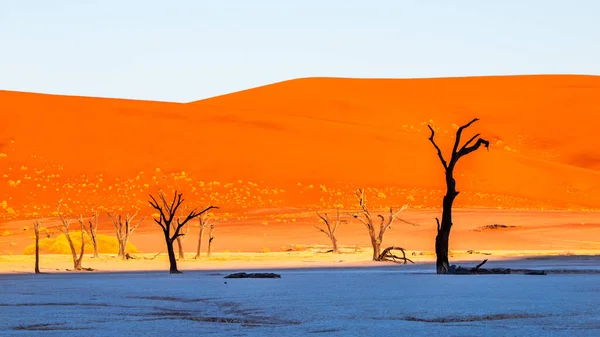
{"x":323,"y":301}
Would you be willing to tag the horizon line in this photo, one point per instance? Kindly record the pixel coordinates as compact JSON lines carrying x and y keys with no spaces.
{"x":302,"y":78}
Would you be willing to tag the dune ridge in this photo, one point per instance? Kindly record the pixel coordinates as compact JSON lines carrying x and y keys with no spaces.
{"x":307,"y":143}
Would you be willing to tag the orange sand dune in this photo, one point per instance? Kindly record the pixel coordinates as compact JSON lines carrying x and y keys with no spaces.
{"x":306,"y":143}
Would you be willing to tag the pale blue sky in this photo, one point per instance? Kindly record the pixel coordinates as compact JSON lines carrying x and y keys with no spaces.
{"x":191,"y":49}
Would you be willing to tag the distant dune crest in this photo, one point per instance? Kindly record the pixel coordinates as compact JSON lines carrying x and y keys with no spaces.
{"x":359,"y":132}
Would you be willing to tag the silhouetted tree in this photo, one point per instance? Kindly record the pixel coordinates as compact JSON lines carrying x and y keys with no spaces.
{"x":36,"y":229}
{"x":330,"y":228}
{"x":367,"y":220}
{"x":443,"y":229}
{"x":167,"y":216}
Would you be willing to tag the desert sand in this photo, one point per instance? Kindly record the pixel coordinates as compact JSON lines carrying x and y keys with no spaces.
{"x":271,"y":156}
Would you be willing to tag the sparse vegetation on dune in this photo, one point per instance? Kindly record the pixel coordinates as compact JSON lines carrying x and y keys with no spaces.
{"x":59,"y":245}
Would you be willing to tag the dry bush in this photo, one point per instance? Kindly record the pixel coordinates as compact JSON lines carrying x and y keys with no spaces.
{"x":59,"y":245}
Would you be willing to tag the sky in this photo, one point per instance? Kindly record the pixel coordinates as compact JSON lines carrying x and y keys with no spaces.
{"x":187,"y":50}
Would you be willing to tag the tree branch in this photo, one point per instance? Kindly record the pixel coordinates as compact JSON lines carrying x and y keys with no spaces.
{"x":193,"y":214}
{"x":466,"y":150}
{"x":459,"y":133}
{"x":439,"y":151}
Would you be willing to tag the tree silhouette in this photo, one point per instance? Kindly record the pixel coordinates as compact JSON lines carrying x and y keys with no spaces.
{"x":169,"y":221}
{"x":443,"y":228}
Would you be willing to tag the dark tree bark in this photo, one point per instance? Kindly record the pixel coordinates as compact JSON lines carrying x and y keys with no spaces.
{"x":124,"y":230}
{"x":167,"y":211}
{"x":330,"y":228}
{"x":65,"y":230}
{"x":443,"y":229}
{"x":367,"y":220}
{"x":36,"y":228}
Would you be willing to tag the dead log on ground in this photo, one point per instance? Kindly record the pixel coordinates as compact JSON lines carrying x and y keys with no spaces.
{"x":387,"y":255}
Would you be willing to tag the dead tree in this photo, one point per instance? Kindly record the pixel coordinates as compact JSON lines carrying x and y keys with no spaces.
{"x":91,"y":231}
{"x":124,"y":230}
{"x":443,"y":228}
{"x":167,"y":215}
{"x":368,"y":221}
{"x":211,"y":237}
{"x":184,"y":231}
{"x":36,"y":229}
{"x":203,"y":220}
{"x":82,"y":229}
{"x":330,"y":228}
{"x":65,"y":230}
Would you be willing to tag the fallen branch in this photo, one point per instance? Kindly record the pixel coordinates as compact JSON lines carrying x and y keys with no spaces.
{"x":387,"y":255}
{"x":479,"y":265}
{"x":154,"y":257}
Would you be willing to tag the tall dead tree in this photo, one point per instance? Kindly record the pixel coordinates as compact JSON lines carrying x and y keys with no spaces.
{"x":66,"y":223}
{"x":203,"y":221}
{"x":330,"y":228}
{"x":36,"y":229}
{"x":367,"y":219}
{"x":167,"y":216}
{"x":91,"y":231}
{"x":443,"y":228}
{"x":211,"y":237}
{"x":124,"y":228}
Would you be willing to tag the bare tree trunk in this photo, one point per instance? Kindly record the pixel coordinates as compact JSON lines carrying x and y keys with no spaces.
{"x":121,"y":253}
{"x":36,"y":228}
{"x":92,"y":232}
{"x":124,"y":247}
{"x":172,"y":260}
{"x":443,"y":236}
{"x":199,"y":240}
{"x":210,"y":240}
{"x":78,"y":263}
{"x":125,"y":238}
{"x":116,"y":220}
{"x":95,"y":244}
{"x":334,"y":244}
{"x":73,"y":252}
{"x":180,"y":248}
{"x":376,"y":247}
